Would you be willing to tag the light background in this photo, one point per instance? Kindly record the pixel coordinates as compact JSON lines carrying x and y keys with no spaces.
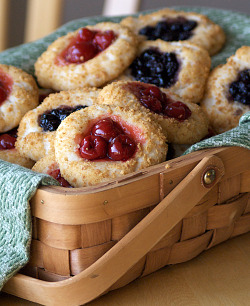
{"x":74,"y":9}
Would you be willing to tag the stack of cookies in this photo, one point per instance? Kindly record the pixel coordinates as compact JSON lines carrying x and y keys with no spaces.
{"x":123,"y":97}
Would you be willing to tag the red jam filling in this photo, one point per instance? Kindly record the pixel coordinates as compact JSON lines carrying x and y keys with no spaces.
{"x":56,"y":174}
{"x":86,"y":45}
{"x":157,"y":101}
{"x":7,"y":140}
{"x":107,"y":140}
{"x":5,"y":86}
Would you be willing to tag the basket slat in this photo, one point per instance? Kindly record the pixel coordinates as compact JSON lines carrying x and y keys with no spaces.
{"x":156,"y":260}
{"x":247,"y":209}
{"x":95,"y":233}
{"x":56,"y":260}
{"x":245,"y":182}
{"x":224,"y":215}
{"x":36,"y":254}
{"x":194,"y":226}
{"x":220,"y":235}
{"x":229,"y":188}
{"x":67,"y":237}
{"x":242,"y":225}
{"x":81,"y":259}
{"x":123,"y":224}
{"x":186,"y":250}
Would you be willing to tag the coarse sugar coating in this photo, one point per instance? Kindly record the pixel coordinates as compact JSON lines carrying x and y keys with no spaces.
{"x":222,"y":109}
{"x":22,"y":97}
{"x":202,"y":31}
{"x":49,"y":165}
{"x":193,"y":68}
{"x":151,"y":147}
{"x":187,"y":131}
{"x":14,"y":157}
{"x":102,"y":68}
{"x":35,"y":142}
{"x":46,"y":164}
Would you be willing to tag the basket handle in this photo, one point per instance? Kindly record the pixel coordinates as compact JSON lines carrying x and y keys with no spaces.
{"x":100,"y":276}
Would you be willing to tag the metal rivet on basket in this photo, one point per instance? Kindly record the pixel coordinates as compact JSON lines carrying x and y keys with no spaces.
{"x":105,"y":202}
{"x":209,"y":177}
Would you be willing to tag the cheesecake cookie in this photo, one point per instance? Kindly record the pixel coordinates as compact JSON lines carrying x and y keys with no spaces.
{"x":49,"y":165}
{"x":227,"y":95}
{"x":8,"y":151}
{"x":90,"y":56}
{"x":18,"y":95}
{"x":182,"y":122}
{"x":101,"y":143}
{"x":180,"y":67}
{"x":36,"y":131}
{"x":170,"y":25}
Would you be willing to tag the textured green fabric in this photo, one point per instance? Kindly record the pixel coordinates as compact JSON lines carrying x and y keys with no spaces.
{"x":239,"y":136}
{"x":19,"y":184}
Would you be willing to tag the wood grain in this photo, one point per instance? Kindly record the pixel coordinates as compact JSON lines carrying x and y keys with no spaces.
{"x":219,"y":276}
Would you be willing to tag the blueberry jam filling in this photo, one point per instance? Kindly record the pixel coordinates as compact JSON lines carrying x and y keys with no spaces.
{"x":155,"y":67}
{"x":5,"y":86}
{"x":86,"y":45}
{"x":8,"y":139}
{"x":240,"y":89}
{"x":56,"y":174}
{"x":107,"y":140}
{"x":172,"y":29}
{"x":50,"y":120}
{"x":158,"y":102}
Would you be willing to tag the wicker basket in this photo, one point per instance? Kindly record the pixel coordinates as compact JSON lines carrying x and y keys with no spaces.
{"x":93,"y":240}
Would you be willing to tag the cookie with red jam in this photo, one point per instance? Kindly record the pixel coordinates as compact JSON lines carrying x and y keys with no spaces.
{"x":182,"y":122}
{"x":37,"y":129}
{"x":170,"y":25}
{"x":18,"y":95}
{"x":90,"y":56}
{"x":8,"y":151}
{"x":227,"y":94}
{"x":180,"y":67}
{"x":49,"y":165}
{"x":100,"y":143}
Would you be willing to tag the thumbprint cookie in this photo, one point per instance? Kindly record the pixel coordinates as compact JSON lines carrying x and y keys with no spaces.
{"x":36,"y":131}
{"x":180,"y":67}
{"x":227,"y":95}
{"x":170,"y":25}
{"x":182,"y":122}
{"x":90,"y":56}
{"x":48,"y":165}
{"x":101,"y":143}
{"x":18,"y":95}
{"x":8,"y":151}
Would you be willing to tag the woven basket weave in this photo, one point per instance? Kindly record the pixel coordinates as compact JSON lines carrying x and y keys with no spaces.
{"x":72,"y":229}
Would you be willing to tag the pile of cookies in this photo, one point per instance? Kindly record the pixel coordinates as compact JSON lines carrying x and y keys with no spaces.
{"x":122,"y":95}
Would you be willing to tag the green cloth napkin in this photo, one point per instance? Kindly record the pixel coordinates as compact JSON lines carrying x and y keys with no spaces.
{"x":239,"y":136}
{"x":19,"y":184}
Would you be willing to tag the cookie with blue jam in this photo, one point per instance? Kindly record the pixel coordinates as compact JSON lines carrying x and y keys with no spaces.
{"x":38,"y":127}
{"x":170,"y":25}
{"x":180,"y":67}
{"x":227,"y":94}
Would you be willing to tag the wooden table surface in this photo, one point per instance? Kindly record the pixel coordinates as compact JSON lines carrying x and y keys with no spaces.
{"x":219,"y":276}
